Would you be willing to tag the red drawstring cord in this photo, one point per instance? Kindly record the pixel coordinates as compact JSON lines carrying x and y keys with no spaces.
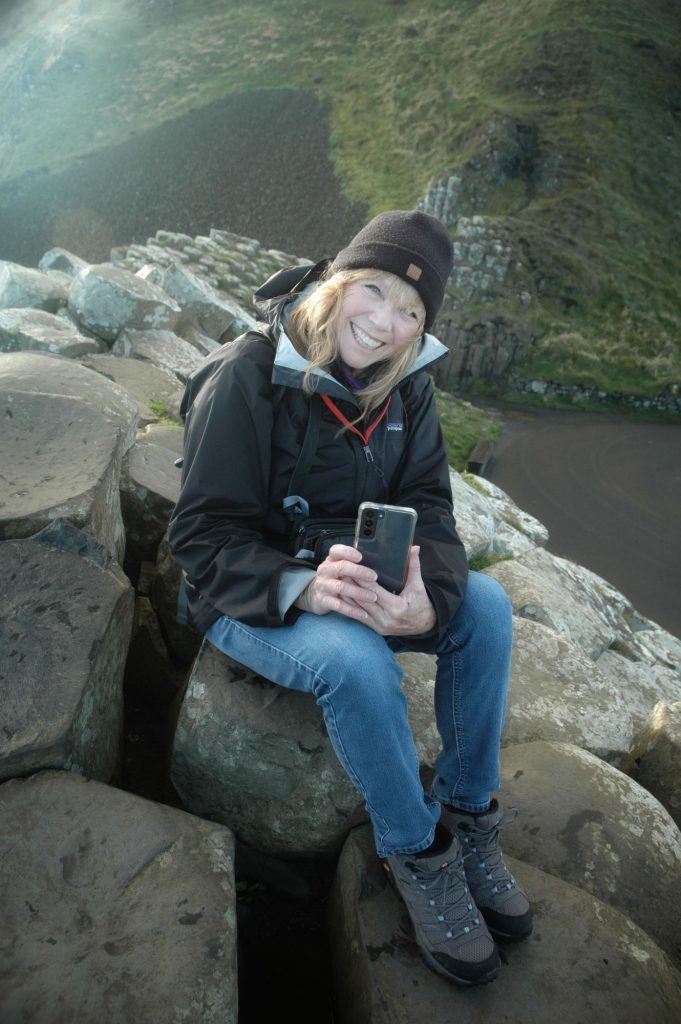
{"x":365,"y":437}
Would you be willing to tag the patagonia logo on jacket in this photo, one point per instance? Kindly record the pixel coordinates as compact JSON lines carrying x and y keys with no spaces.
{"x":395,"y":425}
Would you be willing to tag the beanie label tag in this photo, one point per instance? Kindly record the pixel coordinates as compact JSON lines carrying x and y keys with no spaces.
{"x":414,"y":272}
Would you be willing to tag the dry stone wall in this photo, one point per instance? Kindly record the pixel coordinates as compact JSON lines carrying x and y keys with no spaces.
{"x":91,"y":625}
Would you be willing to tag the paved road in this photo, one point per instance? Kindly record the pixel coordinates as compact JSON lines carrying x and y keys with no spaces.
{"x":608,"y":488}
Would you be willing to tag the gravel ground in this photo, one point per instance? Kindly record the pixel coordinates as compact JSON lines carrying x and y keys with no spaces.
{"x":255,"y":163}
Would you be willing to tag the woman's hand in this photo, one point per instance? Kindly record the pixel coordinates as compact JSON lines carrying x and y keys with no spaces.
{"x":343,"y":585}
{"x":409,"y":613}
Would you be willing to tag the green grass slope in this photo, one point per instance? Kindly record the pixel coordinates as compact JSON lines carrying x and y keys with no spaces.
{"x":562,"y":122}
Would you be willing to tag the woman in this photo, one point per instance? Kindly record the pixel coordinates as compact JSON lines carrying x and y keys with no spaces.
{"x":328,"y":404}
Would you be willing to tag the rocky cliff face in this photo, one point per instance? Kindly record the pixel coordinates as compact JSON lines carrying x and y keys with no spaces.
{"x":102,"y":889}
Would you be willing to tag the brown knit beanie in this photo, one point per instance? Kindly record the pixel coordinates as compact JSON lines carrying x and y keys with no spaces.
{"x":410,"y":244}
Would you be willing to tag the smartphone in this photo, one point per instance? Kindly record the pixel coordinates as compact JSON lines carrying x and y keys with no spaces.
{"x":384,"y":534}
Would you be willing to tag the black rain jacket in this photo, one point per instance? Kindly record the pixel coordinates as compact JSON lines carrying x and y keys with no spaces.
{"x":245,"y":417}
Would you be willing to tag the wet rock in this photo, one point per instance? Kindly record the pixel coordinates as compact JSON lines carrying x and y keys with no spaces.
{"x":105,"y":299}
{"x":38,"y":331}
{"x":24,"y":286}
{"x":589,"y":824}
{"x":64,"y":633}
{"x":114,"y":908}
{"x":256,"y":756}
{"x":64,"y":536}
{"x":582,"y":955}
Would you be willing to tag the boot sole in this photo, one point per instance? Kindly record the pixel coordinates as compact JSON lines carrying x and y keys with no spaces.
{"x":436,"y":966}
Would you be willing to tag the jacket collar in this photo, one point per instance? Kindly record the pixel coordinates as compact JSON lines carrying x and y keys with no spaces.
{"x":290,"y":366}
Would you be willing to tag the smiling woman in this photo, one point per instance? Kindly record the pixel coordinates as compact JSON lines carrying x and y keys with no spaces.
{"x":326,"y":405}
{"x":377,"y":319}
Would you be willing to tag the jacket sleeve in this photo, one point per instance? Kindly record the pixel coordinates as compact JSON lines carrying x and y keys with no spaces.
{"x":422,"y":482}
{"x":216,"y":527}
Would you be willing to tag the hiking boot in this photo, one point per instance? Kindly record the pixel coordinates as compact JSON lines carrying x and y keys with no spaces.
{"x":450,"y":933}
{"x":502,"y":903}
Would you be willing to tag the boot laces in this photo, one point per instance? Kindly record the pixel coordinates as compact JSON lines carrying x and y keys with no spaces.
{"x":482,"y":845}
{"x":446,"y":892}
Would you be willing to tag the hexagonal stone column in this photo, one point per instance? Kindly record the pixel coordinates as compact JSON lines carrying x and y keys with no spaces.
{"x":65,"y":429}
{"x":114,"y":908}
{"x":64,"y":636}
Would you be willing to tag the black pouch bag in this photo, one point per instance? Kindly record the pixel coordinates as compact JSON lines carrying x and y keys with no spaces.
{"x":314,"y":537}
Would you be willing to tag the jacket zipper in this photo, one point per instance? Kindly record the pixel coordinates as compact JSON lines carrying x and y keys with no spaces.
{"x":365,"y":436}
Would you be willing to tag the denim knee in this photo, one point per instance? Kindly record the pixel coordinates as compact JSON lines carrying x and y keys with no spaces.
{"x":486,"y":610}
{"x":365,"y":673}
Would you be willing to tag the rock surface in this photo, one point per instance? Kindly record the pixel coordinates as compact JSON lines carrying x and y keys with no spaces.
{"x":589,"y":824}
{"x":36,"y":373}
{"x":256,"y":757}
{"x":583,"y":962}
{"x":655,"y":756}
{"x":114,"y":908}
{"x":146,"y":383}
{"x":587,"y":668}
{"x":557,"y":693}
{"x":24,"y":286}
{"x":163,"y":348}
{"x":64,"y":631}
{"x":105,"y":299}
{"x":150,"y":486}
{"x":32,"y":329}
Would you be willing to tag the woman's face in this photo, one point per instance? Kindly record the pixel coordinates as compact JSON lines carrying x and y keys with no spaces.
{"x":371,"y":326}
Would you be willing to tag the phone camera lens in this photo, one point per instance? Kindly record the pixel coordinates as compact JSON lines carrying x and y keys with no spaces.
{"x":367,"y":531}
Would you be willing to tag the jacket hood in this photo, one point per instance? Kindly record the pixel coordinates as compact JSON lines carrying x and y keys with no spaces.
{"x":275,"y":300}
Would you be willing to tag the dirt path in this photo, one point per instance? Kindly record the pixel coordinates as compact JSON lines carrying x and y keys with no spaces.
{"x":609,"y":490}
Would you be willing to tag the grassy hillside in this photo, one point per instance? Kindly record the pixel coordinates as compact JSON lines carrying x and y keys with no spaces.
{"x":563,"y":122}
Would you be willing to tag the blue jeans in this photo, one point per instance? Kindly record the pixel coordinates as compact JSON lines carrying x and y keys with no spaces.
{"x":354,"y":676}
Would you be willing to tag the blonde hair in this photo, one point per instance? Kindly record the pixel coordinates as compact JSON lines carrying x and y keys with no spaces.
{"x":311,"y":327}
